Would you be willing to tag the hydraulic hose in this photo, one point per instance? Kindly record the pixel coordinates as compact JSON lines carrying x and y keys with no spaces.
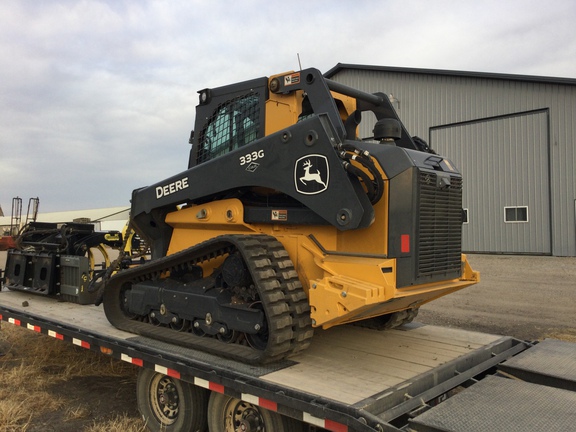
{"x":98,"y":284}
{"x":370,"y":191}
{"x":375,"y":187}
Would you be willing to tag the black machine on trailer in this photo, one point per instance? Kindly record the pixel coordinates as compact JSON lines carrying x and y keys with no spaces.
{"x":416,"y":378}
{"x":60,"y":260}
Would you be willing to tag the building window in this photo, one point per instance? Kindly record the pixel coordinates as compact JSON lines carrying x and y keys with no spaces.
{"x":465,"y":216}
{"x":516,"y":214}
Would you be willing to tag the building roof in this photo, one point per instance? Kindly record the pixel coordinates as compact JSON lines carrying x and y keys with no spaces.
{"x":486,"y":75}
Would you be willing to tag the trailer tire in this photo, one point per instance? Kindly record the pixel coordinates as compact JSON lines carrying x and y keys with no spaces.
{"x":170,"y":405}
{"x":228,"y":414}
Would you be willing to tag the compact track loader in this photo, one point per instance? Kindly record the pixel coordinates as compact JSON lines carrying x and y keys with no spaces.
{"x":286,"y":220}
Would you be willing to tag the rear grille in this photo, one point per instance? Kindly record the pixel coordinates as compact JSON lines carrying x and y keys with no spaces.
{"x":440,"y":225}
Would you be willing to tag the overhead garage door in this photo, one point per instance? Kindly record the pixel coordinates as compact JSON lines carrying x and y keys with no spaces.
{"x":505,"y":164}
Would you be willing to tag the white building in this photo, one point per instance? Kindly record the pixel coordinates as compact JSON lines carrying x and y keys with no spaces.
{"x":105,"y":219}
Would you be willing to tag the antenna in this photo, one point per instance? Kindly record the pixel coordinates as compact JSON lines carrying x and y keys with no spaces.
{"x":299,"y":64}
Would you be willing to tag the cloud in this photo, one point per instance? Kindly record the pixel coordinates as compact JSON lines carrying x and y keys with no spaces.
{"x":97,"y":97}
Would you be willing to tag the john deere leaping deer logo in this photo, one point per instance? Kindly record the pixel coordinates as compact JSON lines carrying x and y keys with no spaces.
{"x":311,"y":174}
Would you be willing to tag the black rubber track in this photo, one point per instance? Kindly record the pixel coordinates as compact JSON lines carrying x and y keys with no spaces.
{"x":283,"y":299}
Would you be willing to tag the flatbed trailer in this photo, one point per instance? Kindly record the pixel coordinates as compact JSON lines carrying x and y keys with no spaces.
{"x":350,"y":379}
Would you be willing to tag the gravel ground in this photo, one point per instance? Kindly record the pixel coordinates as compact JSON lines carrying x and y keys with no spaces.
{"x":528,"y":297}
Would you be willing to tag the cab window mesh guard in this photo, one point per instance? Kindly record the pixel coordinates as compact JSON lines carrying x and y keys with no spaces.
{"x":233,"y":124}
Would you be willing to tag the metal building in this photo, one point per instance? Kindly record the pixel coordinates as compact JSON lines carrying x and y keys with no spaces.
{"x":512,"y":136}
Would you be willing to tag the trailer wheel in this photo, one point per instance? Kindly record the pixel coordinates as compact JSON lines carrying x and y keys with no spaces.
{"x":170,"y":405}
{"x":228,"y":414}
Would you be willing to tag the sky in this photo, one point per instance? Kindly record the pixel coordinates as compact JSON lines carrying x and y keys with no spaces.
{"x":97,"y":98}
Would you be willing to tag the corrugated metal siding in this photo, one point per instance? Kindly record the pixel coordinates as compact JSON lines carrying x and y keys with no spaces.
{"x":514,"y":174}
{"x":428,"y":101}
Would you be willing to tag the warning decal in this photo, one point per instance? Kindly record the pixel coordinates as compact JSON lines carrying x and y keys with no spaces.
{"x":279,"y":215}
{"x":292,"y":79}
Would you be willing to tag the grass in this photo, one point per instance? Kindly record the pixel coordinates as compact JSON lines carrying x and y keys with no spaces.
{"x":34,"y":369}
{"x":118,"y":424}
{"x":565,"y":335}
